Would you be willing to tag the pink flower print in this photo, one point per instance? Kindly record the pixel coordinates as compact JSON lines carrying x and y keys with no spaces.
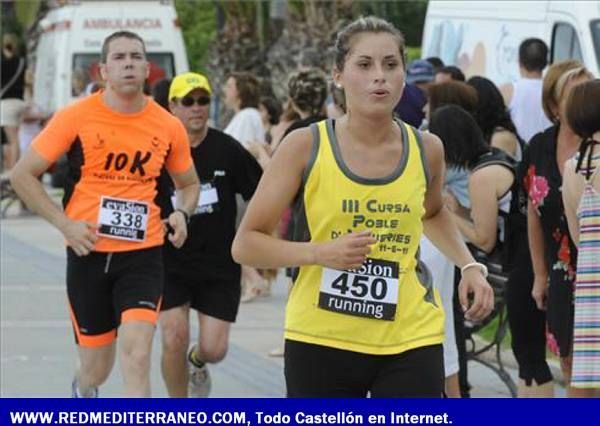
{"x":557,"y":235}
{"x":537,"y":187}
{"x":552,"y":343}
{"x":564,"y":252}
{"x":563,"y":262}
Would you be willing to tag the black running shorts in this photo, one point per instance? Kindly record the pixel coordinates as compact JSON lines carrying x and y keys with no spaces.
{"x":204,"y":289}
{"x":107,"y":289}
{"x":314,"y":371}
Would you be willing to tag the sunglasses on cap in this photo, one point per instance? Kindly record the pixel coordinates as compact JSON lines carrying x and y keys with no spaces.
{"x":188,"y":101}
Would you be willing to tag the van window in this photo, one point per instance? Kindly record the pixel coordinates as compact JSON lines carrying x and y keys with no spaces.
{"x":565,"y":43}
{"x":86,"y":69}
{"x":595,"y":28}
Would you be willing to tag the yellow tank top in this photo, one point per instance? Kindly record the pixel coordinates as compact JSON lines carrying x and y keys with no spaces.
{"x":389,"y":305}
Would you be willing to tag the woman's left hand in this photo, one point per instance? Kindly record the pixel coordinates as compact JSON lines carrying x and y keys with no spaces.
{"x":473,"y":283}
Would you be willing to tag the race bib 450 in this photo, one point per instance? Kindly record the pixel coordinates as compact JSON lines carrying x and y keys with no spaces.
{"x":370,"y":291}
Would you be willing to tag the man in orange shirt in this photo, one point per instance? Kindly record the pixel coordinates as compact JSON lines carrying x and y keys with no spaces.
{"x":117,"y":141}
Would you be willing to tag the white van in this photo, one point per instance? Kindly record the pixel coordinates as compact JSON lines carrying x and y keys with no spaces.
{"x":483,"y":37}
{"x":70,"y":45}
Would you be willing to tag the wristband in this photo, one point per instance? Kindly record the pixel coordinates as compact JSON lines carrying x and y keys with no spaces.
{"x":481,"y":266}
{"x":185,"y":215}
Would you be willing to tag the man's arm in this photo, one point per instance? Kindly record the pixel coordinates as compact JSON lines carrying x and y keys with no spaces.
{"x":24,"y":179}
{"x":187,"y":187}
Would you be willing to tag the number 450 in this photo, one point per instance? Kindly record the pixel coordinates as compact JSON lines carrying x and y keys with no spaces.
{"x":361,"y":285}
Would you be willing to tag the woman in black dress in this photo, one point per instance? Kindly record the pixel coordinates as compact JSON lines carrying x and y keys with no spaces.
{"x":553,"y":253}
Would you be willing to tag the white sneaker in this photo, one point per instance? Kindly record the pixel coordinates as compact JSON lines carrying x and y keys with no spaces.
{"x":199,"y":383}
{"x":75,"y":391}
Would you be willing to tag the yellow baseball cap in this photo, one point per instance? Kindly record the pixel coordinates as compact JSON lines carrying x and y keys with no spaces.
{"x":186,"y":82}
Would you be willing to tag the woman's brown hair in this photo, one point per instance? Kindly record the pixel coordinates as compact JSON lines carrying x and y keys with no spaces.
{"x":369,"y":24}
{"x":452,"y":93}
{"x":583,"y":108}
{"x":583,"y":116}
{"x":549,"y":102}
{"x":248,"y":88}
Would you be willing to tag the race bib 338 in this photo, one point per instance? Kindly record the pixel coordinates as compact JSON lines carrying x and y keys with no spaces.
{"x":123,"y":219}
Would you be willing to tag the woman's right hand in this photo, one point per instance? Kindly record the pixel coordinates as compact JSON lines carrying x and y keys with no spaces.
{"x":346,"y":252}
{"x":539,"y":292}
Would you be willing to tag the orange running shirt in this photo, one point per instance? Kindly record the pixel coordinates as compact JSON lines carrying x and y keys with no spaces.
{"x":115,"y":160}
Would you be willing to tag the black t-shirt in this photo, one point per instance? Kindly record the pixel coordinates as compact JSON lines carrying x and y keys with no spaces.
{"x":304,"y":122}
{"x":225,"y":168}
{"x":11,"y":67}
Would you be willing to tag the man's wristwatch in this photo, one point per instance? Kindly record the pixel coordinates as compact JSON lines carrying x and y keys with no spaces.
{"x":186,"y":216}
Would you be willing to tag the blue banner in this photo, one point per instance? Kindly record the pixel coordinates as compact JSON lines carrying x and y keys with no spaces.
{"x":257,"y":412}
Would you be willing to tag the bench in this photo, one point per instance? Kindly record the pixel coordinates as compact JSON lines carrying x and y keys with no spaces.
{"x":8,"y":196}
{"x":497,"y":279}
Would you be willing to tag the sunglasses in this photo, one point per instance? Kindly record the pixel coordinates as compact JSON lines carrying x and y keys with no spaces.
{"x":188,"y":101}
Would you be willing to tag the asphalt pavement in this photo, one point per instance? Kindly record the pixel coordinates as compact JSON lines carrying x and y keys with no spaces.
{"x":37,"y":351}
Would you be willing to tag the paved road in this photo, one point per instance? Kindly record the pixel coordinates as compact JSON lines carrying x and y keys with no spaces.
{"x":37,"y":354}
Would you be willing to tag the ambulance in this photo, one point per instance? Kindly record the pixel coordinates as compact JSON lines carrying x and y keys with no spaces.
{"x":68,"y":52}
{"x":483,"y":37}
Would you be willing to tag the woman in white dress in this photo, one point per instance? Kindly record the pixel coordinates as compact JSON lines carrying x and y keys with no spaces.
{"x":242,"y":95}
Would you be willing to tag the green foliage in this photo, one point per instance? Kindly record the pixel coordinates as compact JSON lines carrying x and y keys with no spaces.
{"x":26,"y":12}
{"x":198,"y":24}
{"x":407,"y":15}
{"x":227,"y":35}
{"x":10,"y":23}
{"x":412,"y":53}
{"x":488,"y":332}
{"x":247,"y":34}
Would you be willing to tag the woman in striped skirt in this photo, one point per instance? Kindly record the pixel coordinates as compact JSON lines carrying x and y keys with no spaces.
{"x":581,"y":194}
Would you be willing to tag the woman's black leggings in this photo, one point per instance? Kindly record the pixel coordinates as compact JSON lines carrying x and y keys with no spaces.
{"x":527,"y":323}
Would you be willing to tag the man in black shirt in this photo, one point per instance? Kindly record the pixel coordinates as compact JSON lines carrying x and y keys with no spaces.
{"x":202,"y":274}
{"x":11,"y":94}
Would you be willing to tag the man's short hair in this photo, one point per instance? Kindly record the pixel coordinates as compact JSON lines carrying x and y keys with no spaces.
{"x":533,"y":54}
{"x":115,"y":35}
{"x":436,"y":62}
{"x":454,"y":72}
